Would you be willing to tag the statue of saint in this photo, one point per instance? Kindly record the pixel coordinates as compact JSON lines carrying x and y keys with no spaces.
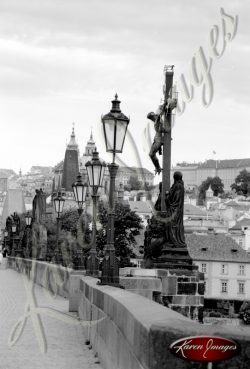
{"x":38,"y":205}
{"x":175,"y":207}
{"x":167,"y":107}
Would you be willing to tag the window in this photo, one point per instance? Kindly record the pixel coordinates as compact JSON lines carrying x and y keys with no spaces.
{"x":241,"y":269}
{"x":240,"y":242}
{"x":224,"y":286}
{"x":241,"y":287}
{"x":224,"y":268}
{"x":204,"y":268}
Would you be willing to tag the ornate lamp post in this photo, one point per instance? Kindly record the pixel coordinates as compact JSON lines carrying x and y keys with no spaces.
{"x":115,"y":125}
{"x":80,"y":192}
{"x":5,"y":237}
{"x":28,"y":221}
{"x":95,"y":170}
{"x":13,"y":231}
{"x":59,"y":204}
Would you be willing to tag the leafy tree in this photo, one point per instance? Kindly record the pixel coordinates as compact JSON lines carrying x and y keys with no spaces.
{"x":242,"y":183}
{"x":134,"y":183}
{"x":69,"y":229}
{"x":216,"y":184}
{"x":127,"y":225}
{"x":148,"y":187}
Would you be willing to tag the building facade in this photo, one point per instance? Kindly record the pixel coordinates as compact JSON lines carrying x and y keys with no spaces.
{"x":226,"y":267}
{"x":142,"y":174}
{"x":227,"y":170}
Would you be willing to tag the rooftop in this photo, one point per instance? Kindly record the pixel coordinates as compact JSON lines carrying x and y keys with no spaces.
{"x":190,"y":209}
{"x":140,"y":206}
{"x":227,"y":163}
{"x":245,"y":222}
{"x":134,"y":170}
{"x":215,"y":248}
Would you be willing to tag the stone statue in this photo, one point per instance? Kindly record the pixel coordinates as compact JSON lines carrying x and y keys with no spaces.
{"x":167,"y":107}
{"x":166,"y":229}
{"x":38,"y":206}
{"x":39,"y":232}
{"x":175,"y":205}
{"x":16,"y":221}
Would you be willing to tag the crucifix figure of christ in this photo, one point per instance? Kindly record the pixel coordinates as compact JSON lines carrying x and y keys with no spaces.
{"x":162,"y":139}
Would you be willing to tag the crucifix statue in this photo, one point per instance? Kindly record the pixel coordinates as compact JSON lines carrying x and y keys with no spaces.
{"x":165,"y":241}
{"x":162,"y":139}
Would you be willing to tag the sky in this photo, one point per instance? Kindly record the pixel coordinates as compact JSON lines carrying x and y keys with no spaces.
{"x":62,"y":61}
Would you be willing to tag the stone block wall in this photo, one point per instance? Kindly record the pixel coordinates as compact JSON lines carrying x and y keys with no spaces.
{"x":130,"y":332}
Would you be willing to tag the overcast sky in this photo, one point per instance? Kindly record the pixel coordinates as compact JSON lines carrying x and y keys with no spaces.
{"x":62,"y":61}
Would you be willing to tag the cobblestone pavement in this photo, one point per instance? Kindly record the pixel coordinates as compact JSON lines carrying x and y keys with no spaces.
{"x":63,"y":336}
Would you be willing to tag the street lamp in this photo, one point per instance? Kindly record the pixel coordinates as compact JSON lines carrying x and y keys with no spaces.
{"x":13,"y":229}
{"x":28,"y":221}
{"x":6,"y":233}
{"x":80,"y":192}
{"x":115,"y":125}
{"x":95,"y":170}
{"x":59,"y":204}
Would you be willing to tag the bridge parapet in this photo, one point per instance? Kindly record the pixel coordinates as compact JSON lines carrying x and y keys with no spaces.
{"x":132,"y":332}
{"x":129,"y":331}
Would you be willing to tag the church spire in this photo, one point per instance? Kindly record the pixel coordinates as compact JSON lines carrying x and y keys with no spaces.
{"x":70,"y":164}
{"x":90,"y":147}
{"x":72,"y":145}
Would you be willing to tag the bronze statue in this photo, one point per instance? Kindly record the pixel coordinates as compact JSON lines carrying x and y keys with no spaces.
{"x":166,"y":108}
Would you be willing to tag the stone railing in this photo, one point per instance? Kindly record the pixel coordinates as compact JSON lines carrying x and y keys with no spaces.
{"x":126,"y":330}
{"x":131,"y":332}
{"x":50,"y":276}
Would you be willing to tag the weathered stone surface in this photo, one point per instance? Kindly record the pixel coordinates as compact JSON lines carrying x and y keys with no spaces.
{"x":131,"y":332}
{"x":184,"y":310}
{"x":193,"y":300}
{"x":187,"y":288}
{"x":184,"y":279}
{"x":201,"y":288}
{"x":145,"y":293}
{"x":169,"y":285}
{"x":132,"y":283}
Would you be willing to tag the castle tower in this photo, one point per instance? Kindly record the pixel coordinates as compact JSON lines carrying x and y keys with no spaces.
{"x":70,"y":165}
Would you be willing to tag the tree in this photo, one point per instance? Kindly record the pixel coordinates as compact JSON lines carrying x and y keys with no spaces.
{"x":242,"y":183}
{"x":216,"y":184}
{"x":74,"y":232}
{"x":134,"y":183}
{"x":127,"y":225}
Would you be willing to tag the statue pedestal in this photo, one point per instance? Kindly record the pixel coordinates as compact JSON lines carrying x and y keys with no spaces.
{"x":174,"y":258}
{"x":183,"y":291}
